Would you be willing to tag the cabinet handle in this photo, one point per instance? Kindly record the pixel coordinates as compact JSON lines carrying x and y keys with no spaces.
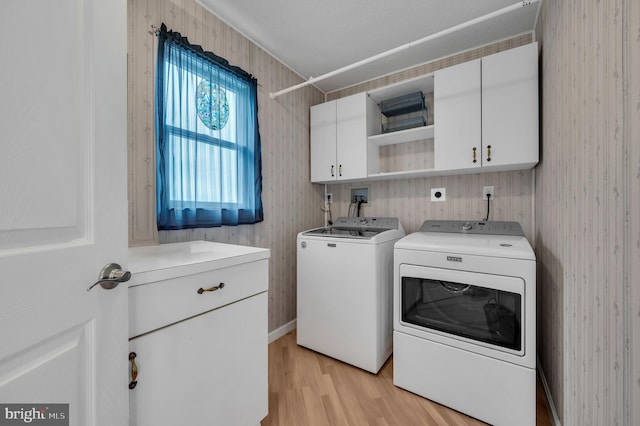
{"x":340,"y":170}
{"x":332,"y":173}
{"x":134,"y":370}
{"x":474,"y":155}
{"x":218,"y":287}
{"x":488,"y":152}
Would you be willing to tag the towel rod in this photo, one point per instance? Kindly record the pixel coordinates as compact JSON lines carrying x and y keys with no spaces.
{"x":386,"y":53}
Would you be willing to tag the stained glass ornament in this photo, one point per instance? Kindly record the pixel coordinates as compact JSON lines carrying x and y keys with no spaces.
{"x":212,"y":105}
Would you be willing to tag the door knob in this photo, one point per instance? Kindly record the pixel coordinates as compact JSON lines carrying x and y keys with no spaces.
{"x":110,"y":276}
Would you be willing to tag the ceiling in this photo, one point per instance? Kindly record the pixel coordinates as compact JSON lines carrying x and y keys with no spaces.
{"x":314,"y":37}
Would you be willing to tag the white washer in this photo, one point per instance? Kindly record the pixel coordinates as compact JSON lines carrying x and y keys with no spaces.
{"x":345,"y":289}
{"x":465,"y":319}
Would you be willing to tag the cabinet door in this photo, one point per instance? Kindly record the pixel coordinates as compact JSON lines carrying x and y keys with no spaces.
{"x":352,"y":136}
{"x":211,"y":369}
{"x":510,"y":107}
{"x":457,"y":118}
{"x":323,"y":142}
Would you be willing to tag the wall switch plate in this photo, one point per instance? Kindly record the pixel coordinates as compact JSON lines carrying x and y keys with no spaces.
{"x":486,"y":191}
{"x":438,"y":194}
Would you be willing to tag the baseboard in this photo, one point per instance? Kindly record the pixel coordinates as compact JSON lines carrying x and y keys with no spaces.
{"x":547,"y":391}
{"x":281,"y":331}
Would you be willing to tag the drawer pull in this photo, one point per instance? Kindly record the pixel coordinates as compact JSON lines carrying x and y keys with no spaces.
{"x":218,"y":287}
{"x":134,"y":370}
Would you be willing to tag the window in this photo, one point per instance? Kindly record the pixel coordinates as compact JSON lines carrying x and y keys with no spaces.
{"x":208,"y":142}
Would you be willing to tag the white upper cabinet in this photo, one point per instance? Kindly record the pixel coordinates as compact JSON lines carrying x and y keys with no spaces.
{"x":339,"y":139}
{"x":351,"y":147}
{"x":487,"y":112}
{"x":323,"y":142}
{"x":485,"y":118}
{"x":458,"y":130}
{"x":510,"y":108}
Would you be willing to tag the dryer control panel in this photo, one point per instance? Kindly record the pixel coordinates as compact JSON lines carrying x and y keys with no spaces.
{"x":470,"y":227}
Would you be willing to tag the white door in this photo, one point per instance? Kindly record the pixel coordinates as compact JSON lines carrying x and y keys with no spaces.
{"x":63,"y":211}
{"x":457,"y":117}
{"x":224,"y":380}
{"x":510,"y":107}
{"x":351,"y":130}
{"x":323,"y":142}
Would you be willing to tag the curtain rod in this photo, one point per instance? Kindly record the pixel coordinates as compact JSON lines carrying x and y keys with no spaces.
{"x":384,"y":54}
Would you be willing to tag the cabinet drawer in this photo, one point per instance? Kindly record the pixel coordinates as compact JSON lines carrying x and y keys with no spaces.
{"x":157,"y":304}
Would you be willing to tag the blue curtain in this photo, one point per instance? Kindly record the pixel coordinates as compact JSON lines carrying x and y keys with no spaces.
{"x":209,"y":167}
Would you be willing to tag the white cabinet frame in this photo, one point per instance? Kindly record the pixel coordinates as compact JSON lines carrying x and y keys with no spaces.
{"x":485,"y":120}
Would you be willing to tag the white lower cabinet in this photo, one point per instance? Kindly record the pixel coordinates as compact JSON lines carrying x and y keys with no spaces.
{"x":201,"y":356}
{"x":207,"y":370}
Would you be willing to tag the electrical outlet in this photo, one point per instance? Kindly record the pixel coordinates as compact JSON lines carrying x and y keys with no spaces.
{"x":438,"y":194}
{"x":488,"y":190}
{"x":329,"y":198}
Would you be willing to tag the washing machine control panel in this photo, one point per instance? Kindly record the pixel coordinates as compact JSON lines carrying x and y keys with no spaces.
{"x":470,"y":227}
{"x":378,"y":224}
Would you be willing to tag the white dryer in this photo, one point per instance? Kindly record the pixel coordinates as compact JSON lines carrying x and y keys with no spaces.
{"x":345,"y":289}
{"x":465,"y":319}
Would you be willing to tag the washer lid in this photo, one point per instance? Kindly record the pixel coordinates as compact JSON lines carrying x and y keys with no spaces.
{"x":342,"y":233}
{"x":504,"y":246}
{"x":357,"y":227}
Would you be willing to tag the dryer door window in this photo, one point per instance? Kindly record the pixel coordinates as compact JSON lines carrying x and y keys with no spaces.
{"x":482,"y":313}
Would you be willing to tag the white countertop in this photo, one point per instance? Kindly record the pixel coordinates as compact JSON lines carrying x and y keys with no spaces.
{"x":166,"y":261}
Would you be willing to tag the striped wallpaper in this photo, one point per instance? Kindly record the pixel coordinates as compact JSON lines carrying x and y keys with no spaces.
{"x":588,"y":209}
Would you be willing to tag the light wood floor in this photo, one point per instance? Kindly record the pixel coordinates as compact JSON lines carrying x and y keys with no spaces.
{"x":309,"y":389}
